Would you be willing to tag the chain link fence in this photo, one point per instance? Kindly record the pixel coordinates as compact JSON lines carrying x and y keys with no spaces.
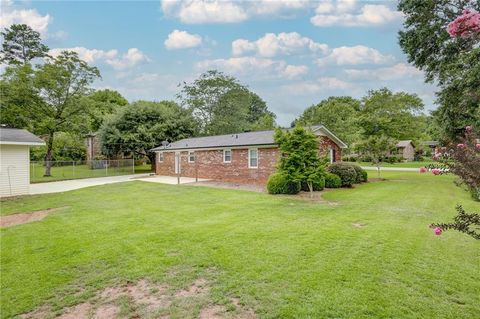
{"x":62,"y":170}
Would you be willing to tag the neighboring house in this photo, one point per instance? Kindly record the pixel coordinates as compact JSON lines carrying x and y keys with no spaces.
{"x":15,"y":160}
{"x":433,"y":145}
{"x":247,"y":158}
{"x":406,"y":150}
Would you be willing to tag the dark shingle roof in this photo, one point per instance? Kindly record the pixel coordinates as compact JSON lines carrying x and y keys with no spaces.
{"x":238,"y":139}
{"x":17,"y":136}
{"x":404,"y":143}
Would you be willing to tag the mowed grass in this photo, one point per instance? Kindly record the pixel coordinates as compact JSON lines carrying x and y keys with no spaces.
{"x":365,"y":252}
{"x":59,"y":173}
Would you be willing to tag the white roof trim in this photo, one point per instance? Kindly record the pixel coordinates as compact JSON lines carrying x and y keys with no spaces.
{"x":22,"y":143}
{"x":332,"y":136}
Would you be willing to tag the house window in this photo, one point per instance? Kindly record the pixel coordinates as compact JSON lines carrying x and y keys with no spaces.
{"x":191,"y":157}
{"x":253,"y":158}
{"x":160,"y":157}
{"x":227,"y":156}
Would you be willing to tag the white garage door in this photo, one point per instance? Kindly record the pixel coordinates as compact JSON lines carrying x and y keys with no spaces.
{"x":14,"y":170}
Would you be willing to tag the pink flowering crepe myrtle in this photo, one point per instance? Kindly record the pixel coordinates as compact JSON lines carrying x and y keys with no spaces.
{"x":466,"y":25}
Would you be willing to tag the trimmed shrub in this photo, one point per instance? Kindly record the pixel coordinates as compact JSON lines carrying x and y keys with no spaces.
{"x":364,"y":176}
{"x":279,"y":183}
{"x":361,"y":177}
{"x":345,"y":171}
{"x":332,"y":181}
{"x":318,"y":185}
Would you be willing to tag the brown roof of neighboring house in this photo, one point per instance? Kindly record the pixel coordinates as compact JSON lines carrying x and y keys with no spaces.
{"x":404,"y":143}
{"x":240,"y":139}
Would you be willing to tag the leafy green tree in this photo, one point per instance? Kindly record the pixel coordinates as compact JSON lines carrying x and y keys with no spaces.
{"x":453,"y":63}
{"x":21,"y":44}
{"x":222,"y":105}
{"x":338,"y":114}
{"x":61,"y":84}
{"x":390,"y":114}
{"x":18,"y":96}
{"x":376,"y":147}
{"x":66,"y":147}
{"x":141,"y":126}
{"x":299,"y":155}
{"x":103,"y":103}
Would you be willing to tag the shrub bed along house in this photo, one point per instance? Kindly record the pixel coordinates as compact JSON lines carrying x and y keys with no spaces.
{"x":345,"y":171}
{"x":332,"y":181}
{"x":362,"y":175}
{"x":279,"y":183}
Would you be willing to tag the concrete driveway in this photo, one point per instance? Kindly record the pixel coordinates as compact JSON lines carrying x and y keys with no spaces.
{"x":63,"y":186}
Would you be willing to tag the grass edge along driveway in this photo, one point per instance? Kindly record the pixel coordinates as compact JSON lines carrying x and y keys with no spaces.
{"x":363,"y":253}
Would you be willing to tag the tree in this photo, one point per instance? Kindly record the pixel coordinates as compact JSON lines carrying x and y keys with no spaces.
{"x":452,"y":62}
{"x":61,"y":83}
{"x":103,"y":103}
{"x":216,"y":99}
{"x":21,"y":44}
{"x":18,"y":97}
{"x":139,"y":127}
{"x":376,"y":147}
{"x":299,"y":158}
{"x":384,"y":113}
{"x":338,"y":114}
{"x":66,"y":147}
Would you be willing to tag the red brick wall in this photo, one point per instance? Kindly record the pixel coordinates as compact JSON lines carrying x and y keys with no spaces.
{"x":326,"y":144}
{"x":209,"y":164}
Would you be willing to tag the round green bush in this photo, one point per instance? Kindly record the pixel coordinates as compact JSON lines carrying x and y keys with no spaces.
{"x":318,"y":184}
{"x":332,"y":181}
{"x":361,"y":178}
{"x":345,"y":171}
{"x":279,"y":183}
{"x":364,"y":176}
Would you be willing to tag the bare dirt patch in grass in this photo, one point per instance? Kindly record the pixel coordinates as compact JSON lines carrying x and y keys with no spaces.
{"x":358,"y":225}
{"x":144,"y":299}
{"x":23,"y":218}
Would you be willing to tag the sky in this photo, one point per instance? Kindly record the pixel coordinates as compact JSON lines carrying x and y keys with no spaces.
{"x":291,"y":53}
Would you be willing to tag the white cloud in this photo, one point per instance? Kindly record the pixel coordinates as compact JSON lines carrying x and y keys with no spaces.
{"x":343,"y":13}
{"x":196,"y":12}
{"x":11,"y":15}
{"x":323,"y":84}
{"x":254,"y":67}
{"x":397,"y":71}
{"x":88,"y":55}
{"x":223,"y":11}
{"x":182,"y":40}
{"x":359,"y":54}
{"x":294,"y":71}
{"x":272,"y":44}
{"x":127,"y":60}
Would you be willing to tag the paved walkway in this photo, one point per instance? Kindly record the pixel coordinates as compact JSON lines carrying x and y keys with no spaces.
{"x":63,"y":186}
{"x":404,"y":169}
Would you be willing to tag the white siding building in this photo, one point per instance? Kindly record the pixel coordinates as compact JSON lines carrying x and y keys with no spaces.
{"x":15,"y":160}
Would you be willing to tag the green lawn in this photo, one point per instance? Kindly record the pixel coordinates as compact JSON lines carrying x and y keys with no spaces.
{"x":402,"y":164}
{"x":363,"y":253}
{"x":80,"y":171}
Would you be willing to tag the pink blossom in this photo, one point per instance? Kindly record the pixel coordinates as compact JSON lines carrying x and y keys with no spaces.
{"x":477,"y":146}
{"x":438,"y":231}
{"x":423,"y":169}
{"x":468,"y":129}
{"x":436,"y":156}
{"x":461,"y":146}
{"x":466,"y":25}
{"x":436,"y":171}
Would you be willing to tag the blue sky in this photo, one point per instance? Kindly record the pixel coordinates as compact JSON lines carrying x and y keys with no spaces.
{"x":292,"y":53}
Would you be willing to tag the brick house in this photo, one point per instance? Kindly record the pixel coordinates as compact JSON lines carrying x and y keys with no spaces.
{"x":245,"y":158}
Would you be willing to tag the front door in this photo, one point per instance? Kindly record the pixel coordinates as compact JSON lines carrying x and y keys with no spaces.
{"x":177,"y":162}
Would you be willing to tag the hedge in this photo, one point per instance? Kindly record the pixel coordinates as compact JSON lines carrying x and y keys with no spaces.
{"x":345,"y":171}
{"x":279,"y":183}
{"x":332,"y":181}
